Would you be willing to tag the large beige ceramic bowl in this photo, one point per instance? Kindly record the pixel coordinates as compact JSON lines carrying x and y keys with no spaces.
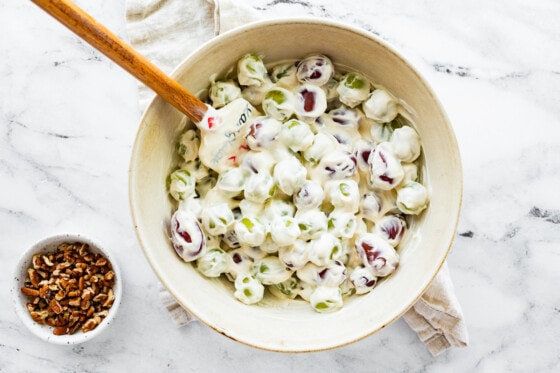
{"x":293,"y":325}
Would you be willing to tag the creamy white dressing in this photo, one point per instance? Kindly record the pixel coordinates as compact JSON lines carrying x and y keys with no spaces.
{"x":308,"y":199}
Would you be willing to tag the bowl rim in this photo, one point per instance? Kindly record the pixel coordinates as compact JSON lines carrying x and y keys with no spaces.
{"x":44,"y":332}
{"x":320,"y":22}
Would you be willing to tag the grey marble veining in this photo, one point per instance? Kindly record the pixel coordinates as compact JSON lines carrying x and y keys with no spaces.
{"x":68,"y":118}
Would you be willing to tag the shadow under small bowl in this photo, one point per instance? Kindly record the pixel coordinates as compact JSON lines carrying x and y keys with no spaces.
{"x":292,"y":326}
{"x":45,"y":332}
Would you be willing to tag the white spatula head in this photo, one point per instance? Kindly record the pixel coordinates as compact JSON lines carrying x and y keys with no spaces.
{"x":222,"y":132}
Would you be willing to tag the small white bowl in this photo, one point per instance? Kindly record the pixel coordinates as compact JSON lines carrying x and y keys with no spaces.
{"x":45,"y":332}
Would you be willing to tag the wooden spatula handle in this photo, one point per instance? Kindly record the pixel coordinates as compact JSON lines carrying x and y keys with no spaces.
{"x":87,"y":28}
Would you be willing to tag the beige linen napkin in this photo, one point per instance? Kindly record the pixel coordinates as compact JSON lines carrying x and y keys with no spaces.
{"x":437,"y":317}
{"x":166,"y":31}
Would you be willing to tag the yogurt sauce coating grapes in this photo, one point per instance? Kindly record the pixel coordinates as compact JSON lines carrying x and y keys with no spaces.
{"x":316,"y":201}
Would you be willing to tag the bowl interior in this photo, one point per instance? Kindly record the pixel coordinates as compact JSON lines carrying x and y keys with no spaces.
{"x":45,"y":332}
{"x":283,"y":325}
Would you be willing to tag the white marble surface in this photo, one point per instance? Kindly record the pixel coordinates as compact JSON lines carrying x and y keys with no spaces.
{"x":68,"y":118}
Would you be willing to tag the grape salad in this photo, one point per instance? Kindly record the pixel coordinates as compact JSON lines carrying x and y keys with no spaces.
{"x":318,"y":193}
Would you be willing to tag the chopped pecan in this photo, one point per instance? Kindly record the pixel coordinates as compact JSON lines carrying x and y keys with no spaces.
{"x":75,"y":302}
{"x":47,"y":261}
{"x":37,"y":261}
{"x":60,"y":321}
{"x":30,"y":292}
{"x":87,"y":293}
{"x":90,"y":324}
{"x":51,"y":321}
{"x":109,"y":276}
{"x":55,"y":307}
{"x":85,"y":304}
{"x":60,"y":295}
{"x":43,"y":290}
{"x":100,"y":298}
{"x":60,"y":330}
{"x":63,"y":283}
{"x":34,"y":277}
{"x":42,"y":273}
{"x":39,"y":316}
{"x":103,"y":314}
{"x":110,"y":299}
{"x":77,"y":271}
{"x":74,"y":328}
{"x":70,"y":289}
